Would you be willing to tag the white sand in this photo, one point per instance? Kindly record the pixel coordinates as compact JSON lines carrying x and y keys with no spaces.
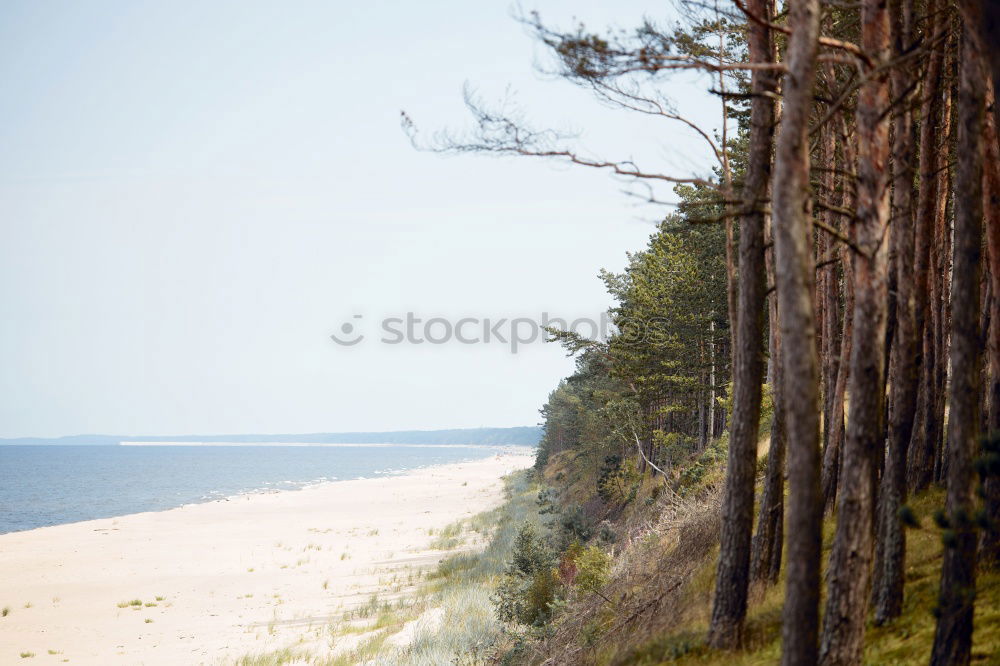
{"x":248,"y":575}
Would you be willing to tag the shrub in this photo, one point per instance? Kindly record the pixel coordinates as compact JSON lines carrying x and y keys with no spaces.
{"x":546,"y":501}
{"x":573,"y":526}
{"x":530,"y":553}
{"x":567,"y":563}
{"x":673,"y":447}
{"x":508,"y":602}
{"x":710,"y":458}
{"x":593,"y":567}
{"x":618,"y":481}
{"x":606,"y":533}
{"x":540,"y":595}
{"x":529,"y":585}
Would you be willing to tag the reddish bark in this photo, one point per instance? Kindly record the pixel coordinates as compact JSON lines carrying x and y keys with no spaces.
{"x":795,"y":274}
{"x":851,"y":557}
{"x":733,"y":575}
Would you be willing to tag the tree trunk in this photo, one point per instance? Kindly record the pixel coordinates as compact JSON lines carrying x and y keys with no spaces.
{"x":832,"y":454}
{"x":732,"y":577}
{"x":989,"y":37}
{"x":990,"y":544}
{"x":944,"y":314}
{"x":930,"y":112}
{"x":953,"y":635}
{"x":702,"y":409}
{"x":827,"y":290}
{"x":888,"y":595}
{"x":946,"y":233}
{"x":924,"y":456}
{"x":765,"y":551}
{"x":851,"y":557}
{"x":795,"y":274}
{"x":711,"y":381}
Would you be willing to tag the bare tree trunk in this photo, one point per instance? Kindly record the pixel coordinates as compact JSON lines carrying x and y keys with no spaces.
{"x":888,"y":596}
{"x":928,"y":468}
{"x":827,"y":289}
{"x":732,"y":577}
{"x":921,"y":448}
{"x":644,"y":419}
{"x":702,"y":407}
{"x":765,"y":551}
{"x":711,"y":381}
{"x":930,"y":112}
{"x":925,"y":455}
{"x":942,"y":337}
{"x":851,"y":558}
{"x":985,"y":306}
{"x":989,"y":38}
{"x":795,"y":274}
{"x":989,"y":549}
{"x":953,"y":636}
{"x":832,"y":454}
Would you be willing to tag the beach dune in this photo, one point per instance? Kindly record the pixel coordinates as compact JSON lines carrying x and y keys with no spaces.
{"x":209,"y":583}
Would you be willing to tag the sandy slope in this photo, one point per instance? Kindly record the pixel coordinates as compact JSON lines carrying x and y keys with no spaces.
{"x":242,"y":576}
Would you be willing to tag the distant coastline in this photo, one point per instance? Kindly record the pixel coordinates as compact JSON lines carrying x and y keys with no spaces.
{"x":516,"y":436}
{"x":53,"y":485}
{"x":520,"y":448}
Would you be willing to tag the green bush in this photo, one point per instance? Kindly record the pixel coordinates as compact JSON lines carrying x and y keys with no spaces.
{"x":710,"y":458}
{"x":567,"y":563}
{"x":593,"y":566}
{"x":540,"y":595}
{"x":546,"y":501}
{"x":529,"y":585}
{"x":673,"y":447}
{"x":618,"y":480}
{"x":530,"y":553}
{"x":572,"y":525}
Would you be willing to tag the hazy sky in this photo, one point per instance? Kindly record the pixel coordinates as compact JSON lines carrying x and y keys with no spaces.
{"x":195,"y":195}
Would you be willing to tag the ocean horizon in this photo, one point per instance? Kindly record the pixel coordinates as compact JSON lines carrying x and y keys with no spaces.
{"x":46,"y":485}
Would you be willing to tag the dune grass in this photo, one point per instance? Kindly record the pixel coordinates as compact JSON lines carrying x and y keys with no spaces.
{"x":450,"y":537}
{"x":460,"y":588}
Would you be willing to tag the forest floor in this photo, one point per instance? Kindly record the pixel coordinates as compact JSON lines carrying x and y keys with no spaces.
{"x":657,"y":602}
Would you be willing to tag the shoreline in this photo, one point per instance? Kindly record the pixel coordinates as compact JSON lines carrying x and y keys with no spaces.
{"x":272,"y":487}
{"x":220,"y":579}
{"x":503,"y":448}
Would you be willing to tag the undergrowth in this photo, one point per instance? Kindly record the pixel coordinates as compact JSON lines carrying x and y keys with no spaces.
{"x":656,"y":606}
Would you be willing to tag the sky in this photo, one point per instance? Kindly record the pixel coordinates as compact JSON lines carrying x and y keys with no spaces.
{"x":194,"y":196}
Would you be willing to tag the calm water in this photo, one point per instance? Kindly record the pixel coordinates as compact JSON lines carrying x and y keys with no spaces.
{"x":51,"y":485}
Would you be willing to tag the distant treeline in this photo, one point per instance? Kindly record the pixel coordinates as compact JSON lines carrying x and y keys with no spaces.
{"x":522,"y":436}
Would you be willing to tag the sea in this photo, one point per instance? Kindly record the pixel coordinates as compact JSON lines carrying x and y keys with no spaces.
{"x":43,"y":485}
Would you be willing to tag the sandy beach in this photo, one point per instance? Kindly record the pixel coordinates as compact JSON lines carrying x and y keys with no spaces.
{"x":209,"y":583}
